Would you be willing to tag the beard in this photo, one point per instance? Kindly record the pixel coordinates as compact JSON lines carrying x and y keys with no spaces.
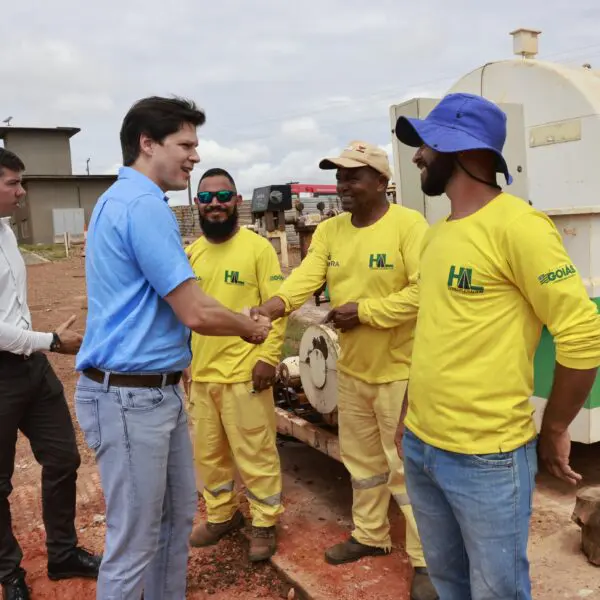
{"x":438,"y":174}
{"x":220,"y":229}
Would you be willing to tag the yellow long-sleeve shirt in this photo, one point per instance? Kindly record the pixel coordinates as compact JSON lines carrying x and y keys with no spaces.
{"x":488,"y":284}
{"x":377,"y":267}
{"x":240,"y":273}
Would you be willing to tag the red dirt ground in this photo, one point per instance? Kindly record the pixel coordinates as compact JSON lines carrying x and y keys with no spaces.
{"x":55,"y":292}
{"x":317,"y":498}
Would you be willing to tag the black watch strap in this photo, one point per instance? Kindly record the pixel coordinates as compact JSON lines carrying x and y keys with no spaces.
{"x":55,"y":345}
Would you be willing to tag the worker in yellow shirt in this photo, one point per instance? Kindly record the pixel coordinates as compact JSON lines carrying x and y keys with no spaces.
{"x":231,"y":395}
{"x":368,"y":257}
{"x":492,"y":275}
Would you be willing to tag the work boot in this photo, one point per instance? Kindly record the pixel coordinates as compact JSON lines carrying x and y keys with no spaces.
{"x":422,"y":588}
{"x":208,"y":534}
{"x":263,"y":543}
{"x":80,"y":563}
{"x":15,"y":588}
{"x":350,"y":551}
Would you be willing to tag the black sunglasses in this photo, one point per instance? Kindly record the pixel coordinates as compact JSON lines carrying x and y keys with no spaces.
{"x":222,"y":196}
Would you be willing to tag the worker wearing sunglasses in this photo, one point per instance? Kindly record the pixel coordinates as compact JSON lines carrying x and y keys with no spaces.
{"x":230,"y":381}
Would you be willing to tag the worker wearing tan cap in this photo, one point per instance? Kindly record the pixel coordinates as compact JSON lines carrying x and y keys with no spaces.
{"x":369,"y":258}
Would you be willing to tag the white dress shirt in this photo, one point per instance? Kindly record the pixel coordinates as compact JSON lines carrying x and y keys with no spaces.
{"x":15,"y":319}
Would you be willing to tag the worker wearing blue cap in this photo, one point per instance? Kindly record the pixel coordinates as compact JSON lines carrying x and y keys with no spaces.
{"x":492,"y":274}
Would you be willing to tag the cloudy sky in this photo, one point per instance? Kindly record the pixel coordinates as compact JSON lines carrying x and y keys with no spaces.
{"x":282,"y":83}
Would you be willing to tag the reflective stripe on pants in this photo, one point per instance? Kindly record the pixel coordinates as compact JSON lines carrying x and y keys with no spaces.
{"x":368,"y":418}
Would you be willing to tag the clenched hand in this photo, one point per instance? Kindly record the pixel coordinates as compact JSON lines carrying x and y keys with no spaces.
{"x":263,"y":376}
{"x":344,"y":317}
{"x":70,"y":341}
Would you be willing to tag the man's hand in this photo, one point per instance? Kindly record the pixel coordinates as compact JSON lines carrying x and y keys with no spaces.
{"x":273,"y":309}
{"x":70,"y":341}
{"x":554,"y":449}
{"x":260,"y":326}
{"x":263,"y":376}
{"x":344,"y":317}
{"x":256,"y":312}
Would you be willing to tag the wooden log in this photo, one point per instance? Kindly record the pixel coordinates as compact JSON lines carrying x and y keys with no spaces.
{"x":587,"y":515}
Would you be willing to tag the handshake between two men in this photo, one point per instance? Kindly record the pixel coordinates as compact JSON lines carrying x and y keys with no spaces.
{"x":344,"y":317}
{"x":254,"y":324}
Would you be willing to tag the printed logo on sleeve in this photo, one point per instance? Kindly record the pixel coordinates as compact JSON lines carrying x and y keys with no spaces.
{"x":276,"y":278}
{"x":560,"y":274}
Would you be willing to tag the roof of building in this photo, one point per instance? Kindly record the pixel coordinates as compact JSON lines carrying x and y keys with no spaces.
{"x":70,"y":131}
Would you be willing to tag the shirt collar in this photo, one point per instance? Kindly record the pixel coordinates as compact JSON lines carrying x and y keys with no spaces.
{"x":140,"y":179}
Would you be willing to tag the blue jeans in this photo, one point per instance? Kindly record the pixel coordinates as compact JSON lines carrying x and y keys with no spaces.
{"x":472,"y":513}
{"x":144,"y":454}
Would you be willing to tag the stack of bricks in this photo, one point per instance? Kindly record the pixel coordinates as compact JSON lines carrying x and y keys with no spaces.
{"x":187,"y":218}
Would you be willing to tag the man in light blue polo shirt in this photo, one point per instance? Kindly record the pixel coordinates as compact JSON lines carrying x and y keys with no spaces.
{"x":142,"y":303}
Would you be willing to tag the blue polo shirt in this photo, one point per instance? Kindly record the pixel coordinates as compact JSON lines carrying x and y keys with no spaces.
{"x":134,"y":258}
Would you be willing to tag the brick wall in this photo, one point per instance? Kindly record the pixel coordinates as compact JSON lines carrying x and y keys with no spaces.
{"x":187,"y":218}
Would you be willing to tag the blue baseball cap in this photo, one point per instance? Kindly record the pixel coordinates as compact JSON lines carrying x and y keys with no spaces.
{"x":459,"y":122}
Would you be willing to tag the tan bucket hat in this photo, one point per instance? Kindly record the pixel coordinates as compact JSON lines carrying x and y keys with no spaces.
{"x":360,"y":154}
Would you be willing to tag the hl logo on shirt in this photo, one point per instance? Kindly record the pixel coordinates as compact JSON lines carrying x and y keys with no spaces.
{"x":559,"y":274}
{"x":463,"y":278}
{"x":233,"y":278}
{"x":379,"y":261}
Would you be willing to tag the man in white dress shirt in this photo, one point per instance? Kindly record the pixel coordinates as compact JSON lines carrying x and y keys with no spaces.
{"x":32,"y":401}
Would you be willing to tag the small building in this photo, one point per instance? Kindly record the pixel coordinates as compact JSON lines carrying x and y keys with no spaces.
{"x":56,"y":201}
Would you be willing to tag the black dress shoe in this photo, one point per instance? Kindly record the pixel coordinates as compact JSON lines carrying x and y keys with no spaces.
{"x":81,"y":563}
{"x":15,"y":588}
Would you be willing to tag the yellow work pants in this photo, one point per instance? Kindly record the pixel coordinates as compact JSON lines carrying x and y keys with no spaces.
{"x":236,"y":428}
{"x":368,"y":415}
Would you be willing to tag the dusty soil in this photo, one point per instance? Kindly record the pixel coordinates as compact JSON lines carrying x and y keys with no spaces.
{"x":55,"y":292}
{"x":317,"y":498}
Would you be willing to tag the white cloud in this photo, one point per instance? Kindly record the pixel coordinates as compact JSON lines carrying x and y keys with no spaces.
{"x":282,"y":84}
{"x":78,"y":101}
{"x":300,"y":127}
{"x":214,"y":154}
{"x":304,"y":130}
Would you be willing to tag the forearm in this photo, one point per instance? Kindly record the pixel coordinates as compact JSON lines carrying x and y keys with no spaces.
{"x":21,"y":341}
{"x":570,"y":390}
{"x":393,"y":310}
{"x":205,"y":315}
{"x":274,"y":308}
{"x":212,"y":318}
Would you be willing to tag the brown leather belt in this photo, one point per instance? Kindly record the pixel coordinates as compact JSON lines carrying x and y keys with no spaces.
{"x":124,"y":380}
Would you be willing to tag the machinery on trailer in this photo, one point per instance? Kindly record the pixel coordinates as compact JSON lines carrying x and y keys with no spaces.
{"x":553,"y":135}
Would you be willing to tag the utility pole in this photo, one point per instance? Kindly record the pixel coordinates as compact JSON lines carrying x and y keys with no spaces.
{"x":87,"y":166}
